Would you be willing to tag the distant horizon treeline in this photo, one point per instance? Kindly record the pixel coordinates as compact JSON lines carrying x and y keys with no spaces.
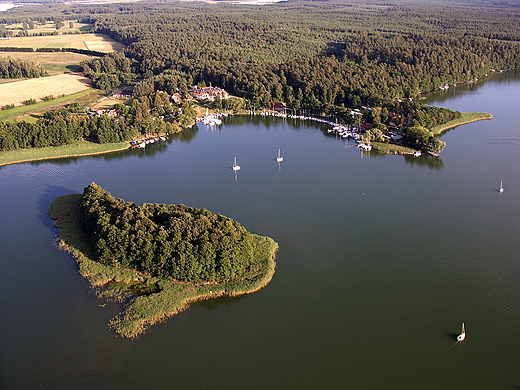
{"x":173,"y":241}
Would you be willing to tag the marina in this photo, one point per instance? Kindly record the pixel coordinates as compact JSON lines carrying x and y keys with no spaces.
{"x":142,"y":142}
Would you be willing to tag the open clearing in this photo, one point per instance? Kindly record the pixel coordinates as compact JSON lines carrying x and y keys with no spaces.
{"x":108,"y":103}
{"x":53,"y":63}
{"x":20,"y":91}
{"x":97,"y":42}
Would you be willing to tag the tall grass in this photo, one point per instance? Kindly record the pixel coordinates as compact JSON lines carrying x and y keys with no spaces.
{"x":467,"y":117}
{"x":78,"y":149}
{"x":171,"y":296}
{"x":388,"y":148}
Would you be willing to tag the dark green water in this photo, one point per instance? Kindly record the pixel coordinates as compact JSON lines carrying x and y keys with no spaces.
{"x":381,"y":258}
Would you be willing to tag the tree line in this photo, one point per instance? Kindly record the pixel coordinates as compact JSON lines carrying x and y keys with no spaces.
{"x":70,"y":124}
{"x":60,"y":127}
{"x":86,"y":52}
{"x":13,"y":68}
{"x":173,"y":241}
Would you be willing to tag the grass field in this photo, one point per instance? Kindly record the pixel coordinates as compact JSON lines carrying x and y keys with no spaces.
{"x":19,"y":91}
{"x":98,"y":42}
{"x":53,"y":63}
{"x":109,"y":103}
{"x":83,"y":98}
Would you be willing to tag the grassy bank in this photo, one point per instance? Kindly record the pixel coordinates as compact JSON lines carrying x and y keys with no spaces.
{"x":387,"y":148}
{"x":467,"y":117}
{"x":171,"y":297}
{"x":75,"y":150}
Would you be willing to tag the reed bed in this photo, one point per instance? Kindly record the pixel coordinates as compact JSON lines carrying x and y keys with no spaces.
{"x":78,"y":149}
{"x":387,"y":148}
{"x":467,"y":117}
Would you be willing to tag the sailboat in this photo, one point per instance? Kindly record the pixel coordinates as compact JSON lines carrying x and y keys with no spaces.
{"x":462,"y":336}
{"x":235,"y":166}
{"x":501,"y":188}
{"x":279,"y":158}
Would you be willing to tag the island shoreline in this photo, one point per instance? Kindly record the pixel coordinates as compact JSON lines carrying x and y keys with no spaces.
{"x":142,"y":311}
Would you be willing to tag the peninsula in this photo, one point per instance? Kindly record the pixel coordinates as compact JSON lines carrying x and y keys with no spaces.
{"x":158,"y":259}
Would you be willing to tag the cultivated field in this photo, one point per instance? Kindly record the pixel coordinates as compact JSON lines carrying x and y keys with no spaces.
{"x":19,"y":91}
{"x":53,"y":63}
{"x":98,"y":42}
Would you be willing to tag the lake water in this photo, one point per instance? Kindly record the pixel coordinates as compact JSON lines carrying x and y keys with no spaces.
{"x":381,"y":259}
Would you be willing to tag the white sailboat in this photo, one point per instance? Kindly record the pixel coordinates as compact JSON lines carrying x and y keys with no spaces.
{"x":501,"y":188}
{"x":279,"y":158}
{"x":462,"y":336}
{"x":235,"y":166}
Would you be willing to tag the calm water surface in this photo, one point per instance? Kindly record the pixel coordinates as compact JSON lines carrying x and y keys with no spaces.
{"x":381,"y":258}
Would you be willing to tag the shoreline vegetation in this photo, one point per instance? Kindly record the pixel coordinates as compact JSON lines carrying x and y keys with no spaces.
{"x":149,"y":299}
{"x":467,"y":117}
{"x":78,"y":149}
{"x":81,"y":149}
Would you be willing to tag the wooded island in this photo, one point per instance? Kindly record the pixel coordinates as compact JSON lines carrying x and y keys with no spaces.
{"x":166,"y":256}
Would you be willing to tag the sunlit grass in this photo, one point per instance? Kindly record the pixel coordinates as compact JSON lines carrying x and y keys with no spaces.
{"x":385,"y":148}
{"x":467,"y":117}
{"x":19,"y":110}
{"x":53,"y":62}
{"x":91,"y":41}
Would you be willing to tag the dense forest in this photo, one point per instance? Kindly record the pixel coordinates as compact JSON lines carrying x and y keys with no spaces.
{"x":174,"y":241}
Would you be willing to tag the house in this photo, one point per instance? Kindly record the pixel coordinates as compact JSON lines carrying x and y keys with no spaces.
{"x":209,"y":93}
{"x":277,"y":106}
{"x":177,"y":99}
{"x":122,"y":93}
{"x":367,"y":126}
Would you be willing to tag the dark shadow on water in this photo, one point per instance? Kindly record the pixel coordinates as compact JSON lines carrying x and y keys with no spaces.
{"x":426,"y":161}
{"x":212,"y":304}
{"x":150,"y":151}
{"x":50,"y":193}
{"x":186,"y":135}
{"x":452,"y":336}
